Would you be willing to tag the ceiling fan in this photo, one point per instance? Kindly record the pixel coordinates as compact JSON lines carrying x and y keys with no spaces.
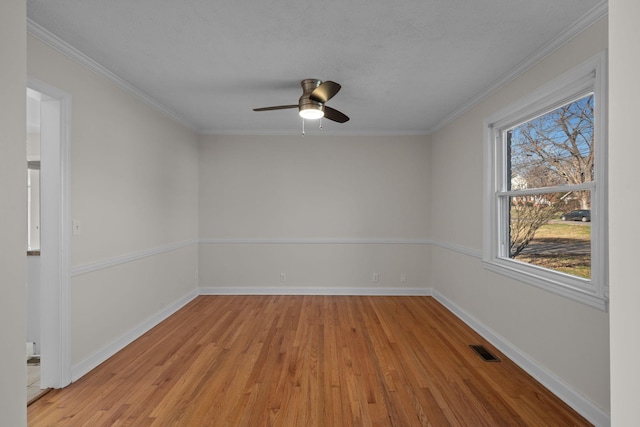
{"x":311,"y":104}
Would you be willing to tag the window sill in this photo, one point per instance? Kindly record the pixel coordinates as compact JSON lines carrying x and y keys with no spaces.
{"x":550,"y":281}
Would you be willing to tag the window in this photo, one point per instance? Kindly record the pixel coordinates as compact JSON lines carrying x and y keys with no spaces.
{"x":545,"y":187}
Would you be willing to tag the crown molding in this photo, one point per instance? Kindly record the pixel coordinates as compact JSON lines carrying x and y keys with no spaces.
{"x":314,"y":132}
{"x":588,"y":19}
{"x":47,"y":37}
{"x":596,"y":13}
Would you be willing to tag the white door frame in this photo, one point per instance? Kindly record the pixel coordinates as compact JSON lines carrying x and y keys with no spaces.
{"x":55,"y":235}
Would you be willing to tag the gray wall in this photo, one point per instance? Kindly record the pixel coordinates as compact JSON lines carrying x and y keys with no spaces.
{"x":13,"y":213}
{"x":567,"y":338}
{"x":318,"y":208}
{"x":134,"y":188}
{"x":624,"y":151}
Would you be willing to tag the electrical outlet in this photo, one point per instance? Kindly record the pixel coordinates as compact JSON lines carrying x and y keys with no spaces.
{"x":403,"y":278}
{"x":376,"y":277}
{"x":77,"y":227}
{"x":283,"y":277}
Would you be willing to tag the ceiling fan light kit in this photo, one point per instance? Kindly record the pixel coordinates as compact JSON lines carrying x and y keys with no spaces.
{"x":310,"y":110}
{"x":311,"y":104}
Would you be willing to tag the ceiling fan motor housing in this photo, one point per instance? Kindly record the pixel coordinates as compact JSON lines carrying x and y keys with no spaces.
{"x":308,"y":85}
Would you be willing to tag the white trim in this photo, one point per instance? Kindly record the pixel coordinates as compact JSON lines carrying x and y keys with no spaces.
{"x":565,"y":86}
{"x":587,"y":299}
{"x":123,"y":259}
{"x":253,"y":290}
{"x":44,"y":35}
{"x":308,"y":133}
{"x":597,"y":12}
{"x":558,"y":387}
{"x":65,"y":48}
{"x":545,"y":190}
{"x":369,"y":241}
{"x":599,"y":237}
{"x":460,"y":249}
{"x":528,"y":275}
{"x":586,"y":77}
{"x":92,"y":361}
{"x":315,"y":241}
{"x":55,"y":236}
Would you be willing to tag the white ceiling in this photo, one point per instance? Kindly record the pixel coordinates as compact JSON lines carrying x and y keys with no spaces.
{"x":405,"y":66}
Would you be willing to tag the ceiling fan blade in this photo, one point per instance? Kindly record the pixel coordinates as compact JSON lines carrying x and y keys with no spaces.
{"x":277,"y":107}
{"x":335,"y":115}
{"x":325,"y":91}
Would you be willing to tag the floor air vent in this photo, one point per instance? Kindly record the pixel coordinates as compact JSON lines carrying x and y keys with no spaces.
{"x":486,"y":355}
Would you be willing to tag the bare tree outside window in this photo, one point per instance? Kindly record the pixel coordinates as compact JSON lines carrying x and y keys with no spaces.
{"x":528,"y":214}
{"x":557,"y":148}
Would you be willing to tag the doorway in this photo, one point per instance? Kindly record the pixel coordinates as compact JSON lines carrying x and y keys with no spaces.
{"x":51,"y":305}
{"x":33,"y":246}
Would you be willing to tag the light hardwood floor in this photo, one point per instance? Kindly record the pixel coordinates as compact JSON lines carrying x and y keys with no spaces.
{"x":305,"y":361}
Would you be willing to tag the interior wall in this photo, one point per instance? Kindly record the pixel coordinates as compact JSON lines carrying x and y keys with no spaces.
{"x":624,"y":151}
{"x":134,"y":187}
{"x":568,"y":339}
{"x":13,"y":213}
{"x":328,"y":211}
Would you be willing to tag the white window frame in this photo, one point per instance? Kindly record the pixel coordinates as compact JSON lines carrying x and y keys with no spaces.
{"x":581,"y":80}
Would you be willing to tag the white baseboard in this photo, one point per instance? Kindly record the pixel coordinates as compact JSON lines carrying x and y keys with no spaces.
{"x":242,"y":290}
{"x":570,"y":396}
{"x":80,"y":369}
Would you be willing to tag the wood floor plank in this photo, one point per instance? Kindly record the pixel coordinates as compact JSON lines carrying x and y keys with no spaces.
{"x":305,"y":361}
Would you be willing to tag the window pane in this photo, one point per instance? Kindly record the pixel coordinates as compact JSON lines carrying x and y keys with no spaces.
{"x":553,"y":149}
{"x":551,"y":230}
